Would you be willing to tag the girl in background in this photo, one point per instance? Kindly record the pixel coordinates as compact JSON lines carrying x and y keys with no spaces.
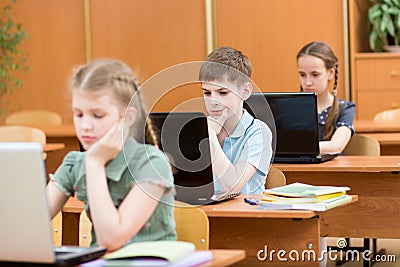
{"x":318,"y":67}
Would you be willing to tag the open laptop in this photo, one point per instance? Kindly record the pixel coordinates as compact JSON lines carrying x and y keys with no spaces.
{"x":183,"y":137}
{"x":25,"y":225}
{"x":296,"y":123}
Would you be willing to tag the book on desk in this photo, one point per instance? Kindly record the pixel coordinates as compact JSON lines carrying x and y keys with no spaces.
{"x":165,"y":253}
{"x":298,"y":196}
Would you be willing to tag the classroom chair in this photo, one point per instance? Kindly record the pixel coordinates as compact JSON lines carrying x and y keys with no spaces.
{"x":388,"y":115}
{"x":85,"y":228}
{"x":10,"y":133}
{"x":361,"y":145}
{"x":16,"y":133}
{"x":192,"y":225}
{"x":34,"y":117}
{"x":275,"y":178}
{"x":56,"y":227}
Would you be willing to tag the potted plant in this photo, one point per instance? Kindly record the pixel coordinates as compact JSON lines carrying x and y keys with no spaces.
{"x":384,"y":25}
{"x":12,"y":58}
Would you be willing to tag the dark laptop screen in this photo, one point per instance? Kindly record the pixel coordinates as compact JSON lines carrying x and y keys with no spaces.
{"x":183,"y":137}
{"x":295,"y":118}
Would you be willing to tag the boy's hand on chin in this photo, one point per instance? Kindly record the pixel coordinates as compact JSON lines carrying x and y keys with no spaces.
{"x":109,"y":146}
{"x":215,"y":123}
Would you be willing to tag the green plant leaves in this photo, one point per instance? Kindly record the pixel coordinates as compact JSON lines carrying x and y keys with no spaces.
{"x":384,"y":21}
{"x":12,"y":58}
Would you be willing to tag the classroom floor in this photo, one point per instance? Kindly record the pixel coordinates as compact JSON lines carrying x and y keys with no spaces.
{"x":392,"y":247}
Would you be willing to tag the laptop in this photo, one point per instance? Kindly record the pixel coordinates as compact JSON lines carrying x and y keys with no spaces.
{"x":293,"y":115}
{"x":183,"y":137}
{"x":25,"y":225}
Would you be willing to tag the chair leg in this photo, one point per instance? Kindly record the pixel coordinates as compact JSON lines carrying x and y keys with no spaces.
{"x":366,"y":263}
{"x":375,"y":251}
{"x":366,"y":246}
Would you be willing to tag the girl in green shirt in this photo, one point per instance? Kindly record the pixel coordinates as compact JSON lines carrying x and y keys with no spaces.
{"x":126,"y":185}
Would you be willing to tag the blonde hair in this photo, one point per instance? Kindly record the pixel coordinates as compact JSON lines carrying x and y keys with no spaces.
{"x":322,"y":51}
{"x":118,"y":77}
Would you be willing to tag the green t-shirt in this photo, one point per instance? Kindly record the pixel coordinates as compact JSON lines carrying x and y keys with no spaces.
{"x":136,"y":164}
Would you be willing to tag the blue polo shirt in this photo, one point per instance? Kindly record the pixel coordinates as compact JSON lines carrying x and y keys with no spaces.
{"x":250,"y":142}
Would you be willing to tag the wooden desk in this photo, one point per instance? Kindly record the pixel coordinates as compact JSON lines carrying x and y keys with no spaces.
{"x":375,"y":180}
{"x":65,"y":134}
{"x":235,"y":224}
{"x":369,"y":126}
{"x":50,"y":147}
{"x":389,"y":142}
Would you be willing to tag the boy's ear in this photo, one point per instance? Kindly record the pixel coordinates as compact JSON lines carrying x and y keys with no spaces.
{"x":247,"y":90}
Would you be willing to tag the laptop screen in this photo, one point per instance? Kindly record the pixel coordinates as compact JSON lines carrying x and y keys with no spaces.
{"x":183,"y":137}
{"x":295,"y":119}
{"x":25,"y":228}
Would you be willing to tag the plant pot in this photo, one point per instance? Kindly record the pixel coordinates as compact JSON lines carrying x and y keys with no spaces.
{"x":392,"y":48}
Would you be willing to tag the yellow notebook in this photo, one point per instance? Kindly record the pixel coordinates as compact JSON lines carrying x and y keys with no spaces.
{"x":322,"y":205}
{"x":282,"y":199}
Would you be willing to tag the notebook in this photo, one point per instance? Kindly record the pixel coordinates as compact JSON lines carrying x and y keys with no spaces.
{"x":25,"y":225}
{"x":183,"y":137}
{"x":293,"y":115}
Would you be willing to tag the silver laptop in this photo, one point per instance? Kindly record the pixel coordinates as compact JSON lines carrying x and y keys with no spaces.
{"x":183,"y":136}
{"x":25,"y":224}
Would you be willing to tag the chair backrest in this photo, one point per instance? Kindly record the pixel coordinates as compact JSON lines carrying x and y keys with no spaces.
{"x":275,"y":178}
{"x":85,"y":230}
{"x":9,"y":133}
{"x":388,"y":115}
{"x":361,"y":145}
{"x":56,"y":226}
{"x":192,"y":225}
{"x":34,"y":117}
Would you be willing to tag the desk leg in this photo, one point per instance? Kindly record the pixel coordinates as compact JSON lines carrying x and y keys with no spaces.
{"x":254,"y":234}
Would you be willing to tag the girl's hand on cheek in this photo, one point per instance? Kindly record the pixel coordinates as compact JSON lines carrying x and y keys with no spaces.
{"x":110,"y":145}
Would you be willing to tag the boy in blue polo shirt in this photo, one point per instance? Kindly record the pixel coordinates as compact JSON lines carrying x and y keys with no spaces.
{"x":240,"y":145}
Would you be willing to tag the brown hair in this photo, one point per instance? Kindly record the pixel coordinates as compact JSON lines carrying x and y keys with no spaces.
{"x":323,"y":51}
{"x":226,"y":62}
{"x":118,"y":77}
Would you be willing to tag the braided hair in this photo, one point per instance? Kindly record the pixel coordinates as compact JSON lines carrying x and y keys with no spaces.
{"x":325,"y":53}
{"x":116,"y":75}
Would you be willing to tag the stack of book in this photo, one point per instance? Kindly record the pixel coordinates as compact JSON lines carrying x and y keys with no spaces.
{"x":298,"y":196}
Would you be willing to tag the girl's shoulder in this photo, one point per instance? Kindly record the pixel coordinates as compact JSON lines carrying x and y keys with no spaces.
{"x":346,"y":104}
{"x":74,"y":158}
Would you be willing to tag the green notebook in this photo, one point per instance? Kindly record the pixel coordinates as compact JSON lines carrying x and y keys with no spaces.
{"x":317,"y":206}
{"x":158,"y":253}
{"x":305,"y":190}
